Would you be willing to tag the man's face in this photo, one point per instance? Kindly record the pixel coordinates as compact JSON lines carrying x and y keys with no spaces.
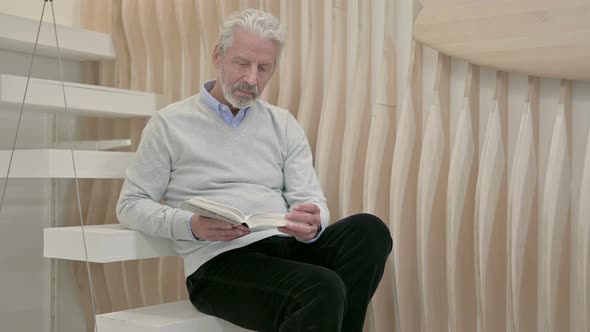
{"x":246,"y":68}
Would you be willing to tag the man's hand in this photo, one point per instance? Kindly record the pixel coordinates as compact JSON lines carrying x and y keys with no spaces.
{"x":308,"y":222}
{"x":209,"y":229}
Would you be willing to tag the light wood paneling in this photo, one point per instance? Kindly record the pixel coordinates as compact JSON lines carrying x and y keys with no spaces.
{"x":554,"y":235}
{"x":464,"y":162}
{"x":310,"y":105}
{"x":404,"y":178}
{"x":431,"y":202}
{"x":537,"y":37}
{"x":581,"y":287}
{"x":210,"y":24}
{"x":189,"y":27}
{"x":271,"y":92}
{"x":290,"y":65}
{"x":522,"y":219}
{"x":328,"y":149}
{"x":490,"y":216}
{"x":357,"y":121}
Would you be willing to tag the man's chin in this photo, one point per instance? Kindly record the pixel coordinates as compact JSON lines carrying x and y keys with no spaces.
{"x":244,"y":101}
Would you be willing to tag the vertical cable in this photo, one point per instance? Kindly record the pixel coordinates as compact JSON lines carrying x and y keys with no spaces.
{"x":89,"y":275}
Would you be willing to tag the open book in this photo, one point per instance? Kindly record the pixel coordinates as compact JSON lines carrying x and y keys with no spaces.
{"x":255,"y":222}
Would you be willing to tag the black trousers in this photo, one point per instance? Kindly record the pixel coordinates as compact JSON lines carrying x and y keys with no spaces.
{"x":280,"y":284}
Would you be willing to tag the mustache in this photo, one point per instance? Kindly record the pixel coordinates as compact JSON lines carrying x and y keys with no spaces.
{"x":246,"y":87}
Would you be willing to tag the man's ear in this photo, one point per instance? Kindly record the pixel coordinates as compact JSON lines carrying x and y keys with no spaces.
{"x":216,"y":56}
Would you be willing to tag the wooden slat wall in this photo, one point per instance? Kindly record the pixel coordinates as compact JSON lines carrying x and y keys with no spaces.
{"x":463,"y":260}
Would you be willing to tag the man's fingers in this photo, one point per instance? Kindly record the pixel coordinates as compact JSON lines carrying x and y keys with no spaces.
{"x":303,"y":217}
{"x":307,"y":234}
{"x":215,"y":224}
{"x":306,"y":207}
{"x":301,"y":228}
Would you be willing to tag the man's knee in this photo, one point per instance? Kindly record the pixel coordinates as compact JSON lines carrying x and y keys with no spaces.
{"x":318,"y":304}
{"x":324,"y":288}
{"x":373,"y":231}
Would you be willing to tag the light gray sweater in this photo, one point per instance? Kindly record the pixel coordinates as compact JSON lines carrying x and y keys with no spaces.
{"x":186,"y":150}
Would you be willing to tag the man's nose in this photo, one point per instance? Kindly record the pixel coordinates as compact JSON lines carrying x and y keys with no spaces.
{"x":252,"y":75}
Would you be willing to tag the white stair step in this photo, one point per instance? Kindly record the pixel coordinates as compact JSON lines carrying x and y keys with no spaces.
{"x":94,"y":145}
{"x":51,"y":163}
{"x":82,"y":99}
{"x":18,"y":34}
{"x":104,"y":244}
{"x":170,"y":317}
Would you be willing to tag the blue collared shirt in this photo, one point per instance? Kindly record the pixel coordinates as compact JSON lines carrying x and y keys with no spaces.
{"x":224,"y":113}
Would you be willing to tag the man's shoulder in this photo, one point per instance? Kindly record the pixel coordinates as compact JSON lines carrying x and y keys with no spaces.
{"x":274,"y":110}
{"x":180,"y":108}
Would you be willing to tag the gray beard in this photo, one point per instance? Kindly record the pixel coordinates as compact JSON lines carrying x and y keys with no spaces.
{"x":237,"y":102}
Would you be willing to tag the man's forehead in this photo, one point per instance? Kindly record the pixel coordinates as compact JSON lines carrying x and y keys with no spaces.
{"x":248,"y":44}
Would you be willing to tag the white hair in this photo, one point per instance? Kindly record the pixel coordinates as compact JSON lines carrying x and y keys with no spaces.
{"x":253,"y":20}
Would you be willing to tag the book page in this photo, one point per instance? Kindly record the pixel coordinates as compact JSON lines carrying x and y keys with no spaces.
{"x":265,"y":221}
{"x":214,"y":210}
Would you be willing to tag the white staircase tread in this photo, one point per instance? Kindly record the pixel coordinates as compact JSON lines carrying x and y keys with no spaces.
{"x":94,"y":145}
{"x":104,"y":244}
{"x":170,"y":317}
{"x":18,"y":34}
{"x":52,"y":163}
{"x":82,"y":99}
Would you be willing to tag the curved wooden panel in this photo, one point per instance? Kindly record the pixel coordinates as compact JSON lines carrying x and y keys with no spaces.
{"x":328,"y":150}
{"x":188,"y":19}
{"x":271,"y":92}
{"x":250,"y":4}
{"x":381,"y":141}
{"x":171,"y":48}
{"x":490,"y":207}
{"x":171,"y":269}
{"x":554,"y":236}
{"x":210,"y":25}
{"x":228,"y":7}
{"x":138,"y":63}
{"x":522,"y":217}
{"x":122,"y":65}
{"x":431,"y":201}
{"x":290,"y":65}
{"x":150,"y":32}
{"x":312,"y":90}
{"x":581,"y":287}
{"x":404,"y":175}
{"x":377,"y":166}
{"x":357,"y":121}
{"x":527,"y":36}
{"x":461,"y":194}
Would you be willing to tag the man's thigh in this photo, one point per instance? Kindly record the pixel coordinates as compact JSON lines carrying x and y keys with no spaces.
{"x":256,"y":287}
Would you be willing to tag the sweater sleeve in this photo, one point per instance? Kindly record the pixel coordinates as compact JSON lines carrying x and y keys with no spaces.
{"x":146,"y":180}
{"x":301,"y":183}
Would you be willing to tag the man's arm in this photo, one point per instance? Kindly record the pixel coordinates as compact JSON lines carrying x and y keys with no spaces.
{"x":301,"y":188}
{"x":146,"y":181}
